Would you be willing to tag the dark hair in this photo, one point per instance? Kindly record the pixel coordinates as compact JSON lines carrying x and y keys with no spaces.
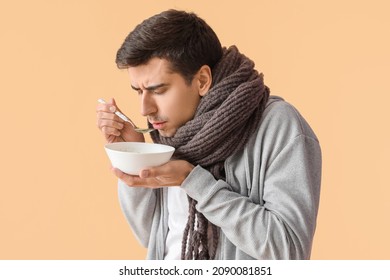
{"x":182,"y":38}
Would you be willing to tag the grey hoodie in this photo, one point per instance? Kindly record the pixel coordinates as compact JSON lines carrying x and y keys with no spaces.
{"x":267,"y":207}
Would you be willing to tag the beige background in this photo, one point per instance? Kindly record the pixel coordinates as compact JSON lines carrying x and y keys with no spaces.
{"x":58,"y":199}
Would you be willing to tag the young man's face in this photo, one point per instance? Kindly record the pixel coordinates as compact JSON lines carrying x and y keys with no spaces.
{"x":166,"y":99}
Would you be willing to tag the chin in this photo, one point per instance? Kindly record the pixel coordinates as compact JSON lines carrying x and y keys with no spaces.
{"x":167,"y":133}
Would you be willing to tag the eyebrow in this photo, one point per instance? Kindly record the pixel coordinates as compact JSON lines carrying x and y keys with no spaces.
{"x":150,"y":88}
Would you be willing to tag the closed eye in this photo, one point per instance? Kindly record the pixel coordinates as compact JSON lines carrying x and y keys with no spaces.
{"x":156,"y":89}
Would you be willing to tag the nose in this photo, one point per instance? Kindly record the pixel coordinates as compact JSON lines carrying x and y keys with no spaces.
{"x":148,"y":105}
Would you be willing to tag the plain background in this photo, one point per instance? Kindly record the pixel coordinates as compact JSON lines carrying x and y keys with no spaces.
{"x":58,"y":198}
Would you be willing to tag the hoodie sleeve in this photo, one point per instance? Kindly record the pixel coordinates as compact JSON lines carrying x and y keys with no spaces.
{"x":138,"y":206}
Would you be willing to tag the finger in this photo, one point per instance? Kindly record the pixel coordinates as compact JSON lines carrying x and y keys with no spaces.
{"x":133,"y":181}
{"x":110,"y":131}
{"x":126,"y":178}
{"x":153,"y":172}
{"x":109,"y":116}
{"x":112,"y":101}
{"x":109,"y":108}
{"x":118,"y":124}
{"x":109,"y":127}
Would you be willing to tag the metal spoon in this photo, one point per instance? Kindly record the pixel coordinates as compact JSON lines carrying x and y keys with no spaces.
{"x":126,"y":119}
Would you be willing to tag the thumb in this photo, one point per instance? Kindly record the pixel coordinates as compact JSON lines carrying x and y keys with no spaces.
{"x":151,"y":172}
{"x":145,"y":173}
{"x":113,"y":102}
{"x":156,"y":171}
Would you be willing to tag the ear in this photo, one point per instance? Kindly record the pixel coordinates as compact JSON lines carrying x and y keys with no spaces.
{"x":204,"y":79}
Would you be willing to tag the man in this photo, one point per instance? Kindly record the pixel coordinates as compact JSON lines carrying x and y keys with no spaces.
{"x":244,"y":182}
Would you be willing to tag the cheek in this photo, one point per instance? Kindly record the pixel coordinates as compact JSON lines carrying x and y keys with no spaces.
{"x":174,"y":104}
{"x":179,"y":106}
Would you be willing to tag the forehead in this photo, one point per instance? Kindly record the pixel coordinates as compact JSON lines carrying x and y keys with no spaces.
{"x":156,"y":70}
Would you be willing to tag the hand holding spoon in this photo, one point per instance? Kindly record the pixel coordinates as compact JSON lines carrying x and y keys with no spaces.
{"x":126,"y":119}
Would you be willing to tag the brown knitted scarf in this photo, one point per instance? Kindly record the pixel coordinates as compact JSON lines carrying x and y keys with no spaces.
{"x":225,"y":119}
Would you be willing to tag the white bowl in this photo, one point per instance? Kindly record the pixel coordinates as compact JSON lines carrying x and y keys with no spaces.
{"x":131,"y":157}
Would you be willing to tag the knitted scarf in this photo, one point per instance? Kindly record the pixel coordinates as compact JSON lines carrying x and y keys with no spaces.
{"x":224,"y":121}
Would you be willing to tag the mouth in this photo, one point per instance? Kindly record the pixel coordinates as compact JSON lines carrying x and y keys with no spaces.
{"x":158,"y":125}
